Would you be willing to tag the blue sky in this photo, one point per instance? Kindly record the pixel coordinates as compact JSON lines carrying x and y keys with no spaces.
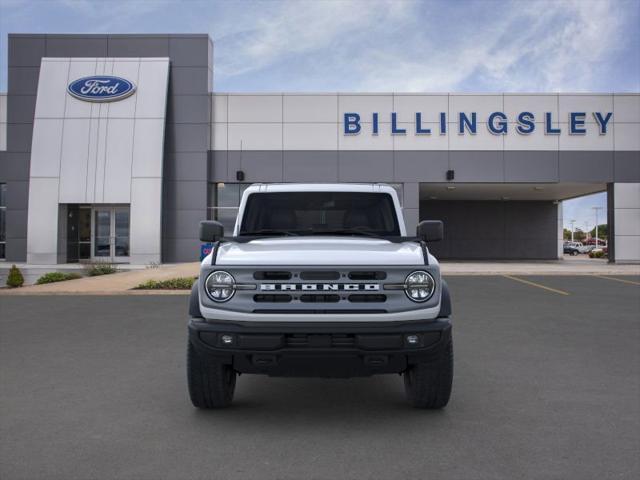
{"x":377,"y":45}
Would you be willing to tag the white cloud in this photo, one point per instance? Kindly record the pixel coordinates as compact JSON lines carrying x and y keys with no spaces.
{"x":532,"y":46}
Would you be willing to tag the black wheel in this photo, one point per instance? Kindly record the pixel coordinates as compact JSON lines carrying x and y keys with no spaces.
{"x":428,"y":385}
{"x":574,"y":253}
{"x":211,"y":383}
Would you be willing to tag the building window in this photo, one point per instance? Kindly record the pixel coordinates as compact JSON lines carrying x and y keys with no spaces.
{"x":3,"y":220}
{"x":223,"y":203}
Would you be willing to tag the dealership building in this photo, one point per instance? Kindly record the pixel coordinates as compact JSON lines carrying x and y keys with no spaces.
{"x":114,"y":147}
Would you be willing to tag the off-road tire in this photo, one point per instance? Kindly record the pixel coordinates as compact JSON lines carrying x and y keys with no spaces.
{"x":211,"y":383}
{"x":428,"y":385}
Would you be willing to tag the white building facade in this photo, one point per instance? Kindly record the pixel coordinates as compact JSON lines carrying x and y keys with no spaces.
{"x":127,"y":179}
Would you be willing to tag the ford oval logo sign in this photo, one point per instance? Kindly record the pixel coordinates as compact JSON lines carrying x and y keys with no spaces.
{"x":101,"y":88}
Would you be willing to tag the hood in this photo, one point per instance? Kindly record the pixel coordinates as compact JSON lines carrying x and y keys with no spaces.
{"x":320,"y":251}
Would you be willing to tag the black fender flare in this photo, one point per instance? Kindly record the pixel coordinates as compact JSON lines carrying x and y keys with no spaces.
{"x":445,"y":301}
{"x":194,"y":301}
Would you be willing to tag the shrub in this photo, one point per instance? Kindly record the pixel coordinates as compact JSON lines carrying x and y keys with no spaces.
{"x":96,"y":269}
{"x":52,"y":277}
{"x":180,"y":283}
{"x":15,"y":278}
{"x":596,"y":254}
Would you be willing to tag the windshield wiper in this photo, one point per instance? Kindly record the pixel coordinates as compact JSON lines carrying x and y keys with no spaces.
{"x":270,"y":231}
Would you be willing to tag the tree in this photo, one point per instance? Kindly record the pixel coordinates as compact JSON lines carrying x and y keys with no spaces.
{"x":603,"y":231}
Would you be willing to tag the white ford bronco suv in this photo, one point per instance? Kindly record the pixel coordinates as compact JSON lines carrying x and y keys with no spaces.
{"x":320,"y":280}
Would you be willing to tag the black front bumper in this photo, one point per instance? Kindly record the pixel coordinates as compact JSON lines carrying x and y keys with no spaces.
{"x":320,"y":349}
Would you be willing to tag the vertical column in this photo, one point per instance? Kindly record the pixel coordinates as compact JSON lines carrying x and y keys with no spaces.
{"x":624,"y":222}
{"x":411,"y":206}
{"x":188,"y":130}
{"x":560,"y":236}
{"x":25,"y":52}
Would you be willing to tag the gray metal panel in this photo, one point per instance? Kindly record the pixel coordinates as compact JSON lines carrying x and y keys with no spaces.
{"x":16,"y":249}
{"x":76,"y":46}
{"x":586,"y":166}
{"x":188,"y":80}
{"x":365,"y":166}
{"x":257,"y":165}
{"x":494,"y":230}
{"x":23,"y":81}
{"x":626,"y":166}
{"x":218,"y":166}
{"x":531,"y":166}
{"x":186,"y":137}
{"x":319,"y":166}
{"x":531,"y":230}
{"x":181,"y":249}
{"x":611,"y":223}
{"x":426,"y":166}
{"x":183,"y":223}
{"x":14,"y":166}
{"x":185,"y":166}
{"x":188,"y":109}
{"x":192,"y":51}
{"x":26,"y":50}
{"x":22,"y":108}
{"x":19,"y":137}
{"x":477,"y":166}
{"x":16,"y":222}
{"x":184,"y":195}
{"x":138,"y":46}
{"x":17,"y":194}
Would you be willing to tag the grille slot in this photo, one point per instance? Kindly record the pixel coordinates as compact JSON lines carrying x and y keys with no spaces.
{"x":361,"y":298}
{"x":272,"y":275}
{"x":320,"y":341}
{"x":368,"y":275}
{"x":319,"y":298}
{"x":271,"y":298}
{"x":320,"y":275}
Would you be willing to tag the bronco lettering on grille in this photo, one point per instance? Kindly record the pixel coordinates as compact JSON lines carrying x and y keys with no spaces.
{"x":323,"y":287}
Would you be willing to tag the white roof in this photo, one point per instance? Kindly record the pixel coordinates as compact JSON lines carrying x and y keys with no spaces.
{"x":320,"y":187}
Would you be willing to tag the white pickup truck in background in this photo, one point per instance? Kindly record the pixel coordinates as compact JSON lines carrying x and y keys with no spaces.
{"x":320,"y":280}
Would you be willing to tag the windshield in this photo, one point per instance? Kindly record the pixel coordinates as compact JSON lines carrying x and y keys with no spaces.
{"x":320,"y":213}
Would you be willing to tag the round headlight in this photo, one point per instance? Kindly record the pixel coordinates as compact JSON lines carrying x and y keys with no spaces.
{"x":220,"y":286}
{"x":419,"y":286}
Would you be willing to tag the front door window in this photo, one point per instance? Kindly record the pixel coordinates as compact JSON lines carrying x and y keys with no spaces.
{"x":111,"y":233}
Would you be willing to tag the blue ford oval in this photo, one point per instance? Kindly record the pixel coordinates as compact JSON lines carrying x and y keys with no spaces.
{"x":101,"y":88}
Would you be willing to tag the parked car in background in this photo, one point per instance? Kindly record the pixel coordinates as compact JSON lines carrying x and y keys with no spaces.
{"x":572,"y":248}
{"x":585,"y":248}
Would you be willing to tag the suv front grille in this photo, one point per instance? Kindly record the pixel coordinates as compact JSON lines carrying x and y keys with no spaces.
{"x":320,"y":341}
{"x":319,"y":298}
{"x":271,"y":298}
{"x":361,"y":298}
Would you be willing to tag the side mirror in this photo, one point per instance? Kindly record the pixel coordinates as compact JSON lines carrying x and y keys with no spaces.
{"x":211,"y":231}
{"x":430,"y":231}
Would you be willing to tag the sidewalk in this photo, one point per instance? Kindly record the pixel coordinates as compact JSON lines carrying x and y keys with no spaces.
{"x":124,"y":282}
{"x":113,"y":284}
{"x":568,"y":266}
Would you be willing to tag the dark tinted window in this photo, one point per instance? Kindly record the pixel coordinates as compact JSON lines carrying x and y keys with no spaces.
{"x":309,"y":213}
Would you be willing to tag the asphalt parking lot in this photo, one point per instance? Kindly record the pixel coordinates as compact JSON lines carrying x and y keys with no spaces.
{"x":547,"y":385}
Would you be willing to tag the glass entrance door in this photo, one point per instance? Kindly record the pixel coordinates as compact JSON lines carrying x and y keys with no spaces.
{"x":111,"y":234}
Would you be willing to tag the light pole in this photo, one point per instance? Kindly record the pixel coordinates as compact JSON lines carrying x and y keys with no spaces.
{"x":596,"y":210}
{"x":572,"y":222}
